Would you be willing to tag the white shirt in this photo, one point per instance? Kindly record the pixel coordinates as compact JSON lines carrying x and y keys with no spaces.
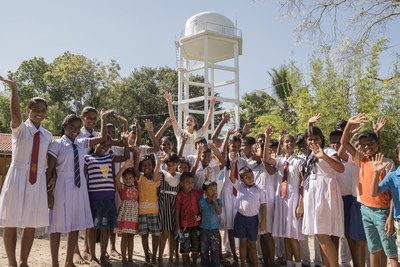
{"x":200,"y":177}
{"x":249,"y":199}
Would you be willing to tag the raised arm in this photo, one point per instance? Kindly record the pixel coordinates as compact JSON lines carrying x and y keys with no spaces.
{"x":378,"y":126}
{"x":148,"y":124}
{"x":156,"y":173}
{"x":267,"y":159}
{"x":206,"y":124}
{"x":218,"y":155}
{"x":232,"y":175}
{"x":225,"y":118}
{"x":98,"y":139}
{"x":167,"y":123}
{"x":333,"y":161}
{"x":224,"y":147}
{"x":197,"y":161}
{"x":379,"y":166}
{"x":125,"y":143}
{"x":16,"y":118}
{"x":184,"y":137}
{"x":353,"y":125}
{"x":168,"y":98}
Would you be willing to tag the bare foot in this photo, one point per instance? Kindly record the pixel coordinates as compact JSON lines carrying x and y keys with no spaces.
{"x":115,"y":254}
{"x":77,"y":259}
{"x":86,"y":256}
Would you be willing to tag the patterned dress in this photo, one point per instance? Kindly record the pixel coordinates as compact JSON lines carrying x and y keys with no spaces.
{"x":169,"y":188}
{"x":127,"y":221}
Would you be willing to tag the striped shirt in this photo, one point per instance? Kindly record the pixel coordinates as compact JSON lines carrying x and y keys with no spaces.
{"x":100,"y":176}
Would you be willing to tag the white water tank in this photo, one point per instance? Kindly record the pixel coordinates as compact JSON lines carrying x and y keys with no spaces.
{"x":209,"y":21}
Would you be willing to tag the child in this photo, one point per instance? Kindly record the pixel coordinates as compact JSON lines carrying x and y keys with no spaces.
{"x":210,"y":238}
{"x":323,"y":216}
{"x":249,"y":203}
{"x":23,"y":201}
{"x":390,"y":183}
{"x":288,"y":201}
{"x":127,"y":220}
{"x":71,"y":211}
{"x":191,"y":126}
{"x":148,"y":184}
{"x":188,"y":218}
{"x":101,"y":188}
{"x":169,"y":188}
{"x":376,"y":211}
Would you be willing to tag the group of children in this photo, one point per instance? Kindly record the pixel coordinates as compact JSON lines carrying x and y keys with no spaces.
{"x":275,"y":193}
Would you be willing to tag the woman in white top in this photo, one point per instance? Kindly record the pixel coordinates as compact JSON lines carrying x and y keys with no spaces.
{"x":191,"y":127}
{"x":323,"y":205}
{"x":23,"y":199}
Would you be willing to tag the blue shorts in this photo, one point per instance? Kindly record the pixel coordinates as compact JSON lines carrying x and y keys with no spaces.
{"x":374,"y":225}
{"x":103,"y":213}
{"x":357,"y":232}
{"x":347,"y":203}
{"x":245,"y":227}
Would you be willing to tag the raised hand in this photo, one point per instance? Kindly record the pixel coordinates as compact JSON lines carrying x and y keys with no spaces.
{"x":9,"y":81}
{"x":378,"y":164}
{"x":128,"y":164}
{"x":225,"y":117}
{"x":148,"y":125}
{"x":246,"y":128}
{"x":317,"y":150}
{"x":120,"y":118}
{"x":379,"y":124}
{"x":233,"y":156}
{"x":213,"y":100}
{"x":314,"y":119}
{"x":358,"y":119}
{"x":168,"y":96}
{"x":268,"y":131}
{"x":105,"y":112}
{"x":168,"y":122}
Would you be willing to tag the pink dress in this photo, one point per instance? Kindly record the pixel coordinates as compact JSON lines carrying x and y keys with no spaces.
{"x":127,"y":221}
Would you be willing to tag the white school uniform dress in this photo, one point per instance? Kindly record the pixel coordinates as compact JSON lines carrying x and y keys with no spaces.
{"x":71,"y":211}
{"x":228,"y":210}
{"x":323,"y":204}
{"x":265,"y":182}
{"x":285,"y":222}
{"x":200,"y":176}
{"x":189,"y":145}
{"x":86,"y":134}
{"x":23,"y":204}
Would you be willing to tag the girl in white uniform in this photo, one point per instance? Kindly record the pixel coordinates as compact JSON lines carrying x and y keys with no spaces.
{"x":71,"y":211}
{"x":23,"y":199}
{"x":323,"y":205}
{"x":288,"y":202}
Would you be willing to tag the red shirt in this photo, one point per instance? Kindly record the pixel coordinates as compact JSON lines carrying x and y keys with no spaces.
{"x":187,"y":204}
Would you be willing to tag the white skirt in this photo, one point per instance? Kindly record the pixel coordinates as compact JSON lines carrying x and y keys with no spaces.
{"x":323,"y":208}
{"x":21,"y":203}
{"x":71,"y":211}
{"x":228,"y":210}
{"x":270,"y":202}
{"x":285,"y":222}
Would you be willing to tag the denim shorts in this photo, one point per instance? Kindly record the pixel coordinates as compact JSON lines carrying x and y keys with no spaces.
{"x":374,"y":220}
{"x":103,"y":213}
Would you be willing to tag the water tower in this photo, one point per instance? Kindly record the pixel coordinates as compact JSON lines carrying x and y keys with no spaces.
{"x":210,"y":47}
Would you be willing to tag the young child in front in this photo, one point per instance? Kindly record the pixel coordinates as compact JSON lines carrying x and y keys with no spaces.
{"x":148,"y":185}
{"x":127,"y":221}
{"x":23,"y":201}
{"x":249,"y":203}
{"x":188,"y":218}
{"x":210,"y":238}
{"x":390,"y":183}
{"x":101,"y":188}
{"x":376,"y":211}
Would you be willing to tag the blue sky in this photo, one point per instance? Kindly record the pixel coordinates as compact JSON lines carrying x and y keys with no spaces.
{"x":142,"y":33}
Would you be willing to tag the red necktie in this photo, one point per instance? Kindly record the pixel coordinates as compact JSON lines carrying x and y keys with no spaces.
{"x":235,"y":173}
{"x":284,"y":179}
{"x":34,"y":158}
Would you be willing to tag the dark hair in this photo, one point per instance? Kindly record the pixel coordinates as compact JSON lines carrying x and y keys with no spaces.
{"x":288,"y":136}
{"x":208,"y":184}
{"x":368,"y":134}
{"x":186,"y":175}
{"x":110,"y":125}
{"x":234,"y":139}
{"x":313,"y":130}
{"x":88,"y":109}
{"x":273,"y":143}
{"x":128,"y":171}
{"x":244,"y":170}
{"x":398,"y":149}
{"x":301,"y":138}
{"x":260,"y":136}
{"x":249,"y":140}
{"x":67,"y":120}
{"x":184,"y":161}
{"x":340,"y":125}
{"x":169,"y":138}
{"x":206,"y":150}
{"x":36,"y":100}
{"x":335,"y":133}
{"x":172,"y":157}
{"x":147,"y":157}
